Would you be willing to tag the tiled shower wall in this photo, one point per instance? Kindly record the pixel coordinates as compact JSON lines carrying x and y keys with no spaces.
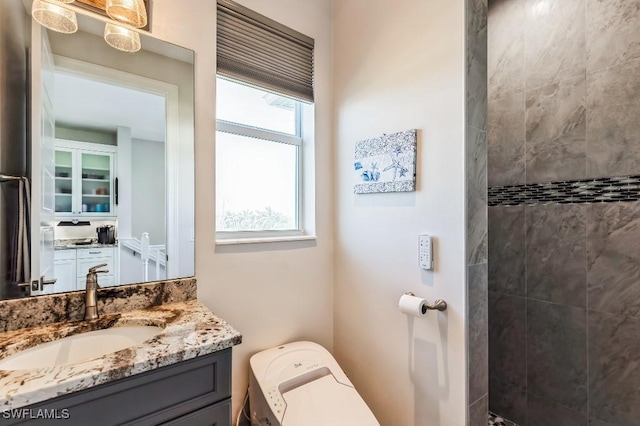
{"x":564,"y":278}
{"x":477,"y":226}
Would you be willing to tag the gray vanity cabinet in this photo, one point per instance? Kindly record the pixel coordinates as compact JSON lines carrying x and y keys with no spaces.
{"x":196,"y":392}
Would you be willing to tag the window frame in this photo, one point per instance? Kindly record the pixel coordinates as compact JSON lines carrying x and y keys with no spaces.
{"x":270,"y":136}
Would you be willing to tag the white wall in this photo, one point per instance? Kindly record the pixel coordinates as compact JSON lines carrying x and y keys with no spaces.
{"x":271,"y":293}
{"x":148,"y":190}
{"x":400,"y":65}
{"x":85,"y":135}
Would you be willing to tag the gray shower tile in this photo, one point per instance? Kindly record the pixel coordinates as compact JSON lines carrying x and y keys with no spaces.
{"x":477,"y":64}
{"x":544,"y":412}
{"x":476,"y":196}
{"x":613,"y":258}
{"x":612,"y":148}
{"x":478,"y":332}
{"x":597,"y":422}
{"x":555,"y":118}
{"x":506,"y":146}
{"x":557,"y":353}
{"x":508,"y":400}
{"x":613,"y":120}
{"x":554,"y":40}
{"x":556,"y":253}
{"x":477,"y":229}
{"x":505,"y":58}
{"x":479,"y":412}
{"x":612,"y":32}
{"x":507,"y":356}
{"x":615,"y":85}
{"x":614,"y":368}
{"x":507,"y":249}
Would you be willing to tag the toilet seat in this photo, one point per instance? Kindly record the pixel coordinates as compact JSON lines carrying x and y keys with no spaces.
{"x":324,"y":402}
{"x":301,"y":384}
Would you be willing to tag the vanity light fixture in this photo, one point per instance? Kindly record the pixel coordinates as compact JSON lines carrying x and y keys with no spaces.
{"x":123,"y":13}
{"x":130,"y":12}
{"x":122,"y":38}
{"x":54,"y":17}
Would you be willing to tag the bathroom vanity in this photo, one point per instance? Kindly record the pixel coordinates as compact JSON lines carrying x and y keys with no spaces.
{"x":102,"y":138}
{"x":181,"y":375}
{"x":194,"y":392}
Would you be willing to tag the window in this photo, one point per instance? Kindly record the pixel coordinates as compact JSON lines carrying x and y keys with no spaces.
{"x":265,"y":74}
{"x":258,"y":162}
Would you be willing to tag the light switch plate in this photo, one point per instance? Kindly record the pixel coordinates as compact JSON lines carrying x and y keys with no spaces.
{"x":425,"y":252}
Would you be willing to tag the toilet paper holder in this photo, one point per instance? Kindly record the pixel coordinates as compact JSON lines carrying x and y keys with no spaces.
{"x":438,"y":305}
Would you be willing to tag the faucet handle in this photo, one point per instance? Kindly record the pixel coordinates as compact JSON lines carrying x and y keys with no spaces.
{"x":95,"y":270}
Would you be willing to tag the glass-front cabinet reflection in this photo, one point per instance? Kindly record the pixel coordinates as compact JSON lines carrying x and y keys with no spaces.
{"x":85,"y":179}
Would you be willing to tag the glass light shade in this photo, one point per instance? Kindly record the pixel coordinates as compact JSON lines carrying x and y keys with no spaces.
{"x":122,"y":38}
{"x":62,"y":1}
{"x":130,"y":12}
{"x":54,"y":17}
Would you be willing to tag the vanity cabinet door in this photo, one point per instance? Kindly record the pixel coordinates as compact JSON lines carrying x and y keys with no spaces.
{"x":96,"y":183}
{"x":64,"y":180}
{"x":65,"y":271}
{"x":64,"y":264}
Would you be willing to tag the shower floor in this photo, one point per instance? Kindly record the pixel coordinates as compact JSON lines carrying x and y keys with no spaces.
{"x":496,"y":420}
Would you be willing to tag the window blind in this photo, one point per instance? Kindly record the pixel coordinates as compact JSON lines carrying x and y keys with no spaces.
{"x":259,"y":51}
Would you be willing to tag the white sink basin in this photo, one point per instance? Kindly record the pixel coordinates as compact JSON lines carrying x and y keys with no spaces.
{"x":79,"y":347}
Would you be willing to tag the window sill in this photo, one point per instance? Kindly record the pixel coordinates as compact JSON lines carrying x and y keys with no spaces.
{"x":260,"y":240}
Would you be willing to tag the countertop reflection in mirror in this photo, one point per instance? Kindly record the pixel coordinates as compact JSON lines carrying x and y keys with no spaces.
{"x":112,"y":139}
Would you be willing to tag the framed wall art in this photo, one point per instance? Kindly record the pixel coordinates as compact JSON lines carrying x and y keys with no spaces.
{"x":386,"y":163}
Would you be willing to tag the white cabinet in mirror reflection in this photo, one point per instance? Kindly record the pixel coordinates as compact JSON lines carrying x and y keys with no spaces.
{"x":84,"y":179}
{"x":65,"y":271}
{"x":72,"y":266}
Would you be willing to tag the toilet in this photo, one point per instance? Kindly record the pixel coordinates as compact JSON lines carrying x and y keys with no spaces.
{"x":301,"y":384}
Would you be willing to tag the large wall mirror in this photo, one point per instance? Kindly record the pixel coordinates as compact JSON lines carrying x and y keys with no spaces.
{"x":106,"y":141}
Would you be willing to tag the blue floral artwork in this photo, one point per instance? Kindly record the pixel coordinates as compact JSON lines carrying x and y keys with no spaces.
{"x":386,"y":163}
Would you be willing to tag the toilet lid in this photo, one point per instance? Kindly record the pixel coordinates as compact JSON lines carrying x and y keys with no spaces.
{"x":325,"y":402}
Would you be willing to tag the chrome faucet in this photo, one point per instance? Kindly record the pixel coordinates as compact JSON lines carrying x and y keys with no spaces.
{"x":91,"y":296}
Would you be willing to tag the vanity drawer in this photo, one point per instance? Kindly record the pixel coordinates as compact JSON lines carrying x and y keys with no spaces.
{"x":103,"y":281}
{"x":95,"y":252}
{"x":69,"y":254}
{"x":217,"y":415}
{"x":85,"y":264}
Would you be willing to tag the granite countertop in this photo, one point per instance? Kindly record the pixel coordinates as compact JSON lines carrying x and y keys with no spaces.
{"x":189,"y":330}
{"x":72,"y":244}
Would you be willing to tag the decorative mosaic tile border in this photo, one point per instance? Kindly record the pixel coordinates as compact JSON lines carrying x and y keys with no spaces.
{"x":600,"y":190}
{"x":496,"y":420}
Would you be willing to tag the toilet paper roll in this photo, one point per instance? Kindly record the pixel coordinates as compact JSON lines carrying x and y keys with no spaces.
{"x":412,"y":305}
